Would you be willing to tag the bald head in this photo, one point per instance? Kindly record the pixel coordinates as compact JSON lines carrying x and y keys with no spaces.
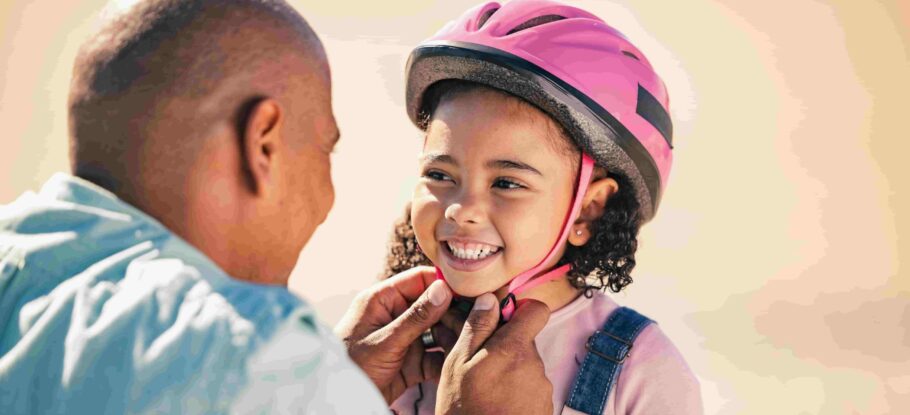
{"x":214,"y":117}
{"x":156,"y":78}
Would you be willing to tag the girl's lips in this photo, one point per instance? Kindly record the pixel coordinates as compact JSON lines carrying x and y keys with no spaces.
{"x":465,"y":265}
{"x":466,"y":242}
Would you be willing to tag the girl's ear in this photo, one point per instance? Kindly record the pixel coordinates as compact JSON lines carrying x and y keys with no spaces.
{"x":592,"y":207}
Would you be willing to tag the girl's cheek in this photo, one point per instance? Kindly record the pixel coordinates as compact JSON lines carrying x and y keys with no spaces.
{"x":424,"y":215}
{"x":529,"y":232}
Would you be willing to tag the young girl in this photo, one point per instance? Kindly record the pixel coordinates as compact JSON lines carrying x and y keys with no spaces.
{"x":547,"y":146}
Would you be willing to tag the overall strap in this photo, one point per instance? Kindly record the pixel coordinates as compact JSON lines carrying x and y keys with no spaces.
{"x":607,"y":350}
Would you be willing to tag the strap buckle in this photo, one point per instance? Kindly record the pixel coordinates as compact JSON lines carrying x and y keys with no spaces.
{"x":502,"y":306}
{"x":590,"y":343}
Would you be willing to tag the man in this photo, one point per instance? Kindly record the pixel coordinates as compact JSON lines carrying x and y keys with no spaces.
{"x":154,"y":280}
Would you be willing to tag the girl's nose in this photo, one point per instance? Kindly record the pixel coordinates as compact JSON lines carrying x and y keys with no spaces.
{"x":465,"y":211}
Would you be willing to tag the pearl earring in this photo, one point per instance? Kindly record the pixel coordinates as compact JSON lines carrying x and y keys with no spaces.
{"x":578,"y":232}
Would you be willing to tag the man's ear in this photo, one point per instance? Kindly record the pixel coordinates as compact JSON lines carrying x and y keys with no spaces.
{"x":592,"y":207}
{"x":260,"y":135}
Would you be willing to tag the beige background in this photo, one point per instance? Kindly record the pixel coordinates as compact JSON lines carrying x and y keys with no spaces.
{"x":774,"y":262}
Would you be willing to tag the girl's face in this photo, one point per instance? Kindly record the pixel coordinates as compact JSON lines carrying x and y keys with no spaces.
{"x":494,"y":190}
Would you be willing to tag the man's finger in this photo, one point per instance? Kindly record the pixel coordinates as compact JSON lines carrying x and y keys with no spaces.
{"x":419,"y":317}
{"x":396,"y":293}
{"x":412,"y":283}
{"x":412,"y":367}
{"x":528,"y":320}
{"x":478,"y":328}
{"x":453,"y":320}
{"x":432,"y":366}
{"x":445,"y":337}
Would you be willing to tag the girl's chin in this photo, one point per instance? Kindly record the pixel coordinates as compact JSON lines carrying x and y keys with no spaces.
{"x":465,"y":287}
{"x":471,"y":278}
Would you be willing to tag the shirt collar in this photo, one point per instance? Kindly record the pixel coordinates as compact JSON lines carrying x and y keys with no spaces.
{"x":68,"y":188}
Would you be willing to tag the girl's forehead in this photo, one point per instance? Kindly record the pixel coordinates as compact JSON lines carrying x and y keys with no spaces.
{"x":476,"y":125}
{"x":467,"y":145}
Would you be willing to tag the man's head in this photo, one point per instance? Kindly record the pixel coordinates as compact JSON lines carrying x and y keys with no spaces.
{"x":213,"y":116}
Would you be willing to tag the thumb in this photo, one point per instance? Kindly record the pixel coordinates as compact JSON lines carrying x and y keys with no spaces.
{"x":529,"y":319}
{"x":481,"y":324}
{"x":419,"y":317}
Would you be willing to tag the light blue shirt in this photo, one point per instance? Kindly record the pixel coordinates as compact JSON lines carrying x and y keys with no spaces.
{"x":103,"y":310}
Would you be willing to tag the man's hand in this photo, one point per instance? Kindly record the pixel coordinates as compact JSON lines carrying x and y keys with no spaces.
{"x":490,"y":371}
{"x":382,"y":326}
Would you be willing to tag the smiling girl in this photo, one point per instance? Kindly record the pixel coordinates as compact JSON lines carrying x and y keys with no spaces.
{"x":547,"y":146}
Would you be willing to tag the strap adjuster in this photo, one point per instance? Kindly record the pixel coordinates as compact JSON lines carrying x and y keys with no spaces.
{"x":590,"y":343}
{"x":502,"y":306}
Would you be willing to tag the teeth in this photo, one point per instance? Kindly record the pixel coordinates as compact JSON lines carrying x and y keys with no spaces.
{"x":472,"y":251}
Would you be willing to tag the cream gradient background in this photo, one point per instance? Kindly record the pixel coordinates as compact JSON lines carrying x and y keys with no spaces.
{"x":774,"y":262}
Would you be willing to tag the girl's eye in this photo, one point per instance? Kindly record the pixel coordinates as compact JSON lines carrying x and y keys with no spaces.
{"x":437,"y":176}
{"x":506,"y":184}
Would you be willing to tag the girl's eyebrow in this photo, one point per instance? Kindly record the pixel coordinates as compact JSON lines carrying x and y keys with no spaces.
{"x":431,"y":158}
{"x":437,"y":158}
{"x":511,"y":164}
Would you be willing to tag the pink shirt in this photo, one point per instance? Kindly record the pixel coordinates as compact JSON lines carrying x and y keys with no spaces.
{"x":655,"y":378}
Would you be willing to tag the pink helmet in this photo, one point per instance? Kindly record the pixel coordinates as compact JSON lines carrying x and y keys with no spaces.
{"x":573,"y":66}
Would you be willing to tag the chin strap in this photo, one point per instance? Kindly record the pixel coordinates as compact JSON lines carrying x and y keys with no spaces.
{"x":526,"y":280}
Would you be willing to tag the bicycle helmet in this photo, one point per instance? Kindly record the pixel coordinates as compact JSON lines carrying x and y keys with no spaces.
{"x":576,"y":68}
{"x":570,"y":64}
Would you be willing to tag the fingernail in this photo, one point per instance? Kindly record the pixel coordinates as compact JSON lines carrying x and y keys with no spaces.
{"x":485,"y":302}
{"x":438,"y":293}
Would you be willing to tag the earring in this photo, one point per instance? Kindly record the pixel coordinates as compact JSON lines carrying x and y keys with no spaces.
{"x":578,"y":232}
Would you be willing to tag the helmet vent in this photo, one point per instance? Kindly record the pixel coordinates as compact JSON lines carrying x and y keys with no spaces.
{"x":631,"y":55}
{"x":537,"y":21}
{"x":486,"y":16}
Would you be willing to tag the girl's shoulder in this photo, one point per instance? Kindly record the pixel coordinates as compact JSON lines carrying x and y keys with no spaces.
{"x":655,"y":377}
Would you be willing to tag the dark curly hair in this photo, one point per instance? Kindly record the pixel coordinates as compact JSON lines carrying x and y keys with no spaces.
{"x":605,"y":261}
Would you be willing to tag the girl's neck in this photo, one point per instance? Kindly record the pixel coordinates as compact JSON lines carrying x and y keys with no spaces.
{"x":555,"y":294}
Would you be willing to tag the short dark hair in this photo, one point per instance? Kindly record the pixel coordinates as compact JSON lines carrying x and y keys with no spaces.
{"x":449,"y":89}
{"x":159,"y":50}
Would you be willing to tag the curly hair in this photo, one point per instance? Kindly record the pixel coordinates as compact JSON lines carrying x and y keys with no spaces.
{"x":605,"y":261}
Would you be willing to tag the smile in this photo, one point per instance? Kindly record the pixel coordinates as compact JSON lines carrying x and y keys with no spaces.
{"x":471,"y":251}
{"x":468,"y":256}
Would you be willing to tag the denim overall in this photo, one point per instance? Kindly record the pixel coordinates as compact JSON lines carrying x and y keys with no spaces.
{"x":607,"y":350}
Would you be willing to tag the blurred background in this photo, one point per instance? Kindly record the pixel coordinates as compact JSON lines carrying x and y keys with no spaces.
{"x":774,"y":261}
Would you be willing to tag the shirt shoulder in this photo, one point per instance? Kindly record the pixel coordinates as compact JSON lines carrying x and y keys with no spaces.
{"x":655,"y":378}
{"x":128,"y":314}
{"x":302,"y":371}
